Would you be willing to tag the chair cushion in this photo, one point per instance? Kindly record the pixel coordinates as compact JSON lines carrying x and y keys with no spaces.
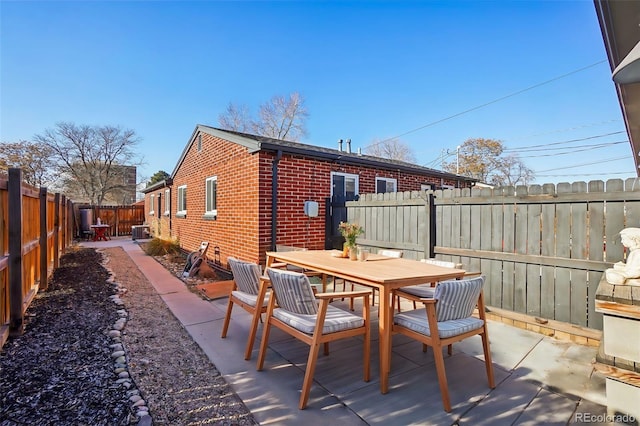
{"x":457,"y":298}
{"x":246,"y":275}
{"x":390,"y":253}
{"x":426,"y":291}
{"x":293,"y":291}
{"x":416,"y":320}
{"x":443,"y":263}
{"x":336,"y":320}
{"x":250,"y":299}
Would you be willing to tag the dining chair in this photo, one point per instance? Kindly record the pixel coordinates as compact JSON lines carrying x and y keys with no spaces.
{"x":322,"y":276}
{"x":445,"y":319}
{"x":296,"y":310}
{"x":415,"y":292}
{"x":250,"y":293}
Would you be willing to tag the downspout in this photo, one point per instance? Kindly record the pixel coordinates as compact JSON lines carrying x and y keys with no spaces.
{"x":274,"y":199}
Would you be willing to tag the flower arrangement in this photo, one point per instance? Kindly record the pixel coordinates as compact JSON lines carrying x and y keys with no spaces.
{"x":350,"y":232}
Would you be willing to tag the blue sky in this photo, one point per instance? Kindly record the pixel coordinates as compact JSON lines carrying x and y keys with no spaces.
{"x":367,"y":70}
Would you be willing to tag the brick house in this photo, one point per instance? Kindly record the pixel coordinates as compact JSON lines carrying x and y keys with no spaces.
{"x":244,"y":193}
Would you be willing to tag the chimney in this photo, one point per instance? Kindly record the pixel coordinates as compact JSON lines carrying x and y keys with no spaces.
{"x":340,"y":145}
{"x":349,"y":146}
{"x":359,"y":151}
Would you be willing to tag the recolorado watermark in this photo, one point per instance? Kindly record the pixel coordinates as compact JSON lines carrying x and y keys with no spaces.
{"x":605,"y":418}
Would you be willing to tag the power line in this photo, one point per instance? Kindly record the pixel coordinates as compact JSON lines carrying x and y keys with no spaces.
{"x":584,"y":164}
{"x":582,"y":126}
{"x":573,"y":150}
{"x":530,"y":147}
{"x":589,"y":174}
{"x":488,"y":103}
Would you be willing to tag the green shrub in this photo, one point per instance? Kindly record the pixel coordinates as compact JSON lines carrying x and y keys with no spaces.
{"x":160,"y":247}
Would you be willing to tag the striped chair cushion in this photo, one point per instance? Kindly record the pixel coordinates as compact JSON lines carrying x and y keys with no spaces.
{"x":293,"y":291}
{"x":250,"y":299}
{"x":458,"y":298}
{"x":443,"y":263}
{"x":416,"y":320}
{"x":246,"y":275}
{"x":336,"y":320}
{"x":426,"y":291}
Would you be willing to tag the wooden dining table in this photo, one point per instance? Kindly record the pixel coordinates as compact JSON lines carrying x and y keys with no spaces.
{"x":381,"y":272}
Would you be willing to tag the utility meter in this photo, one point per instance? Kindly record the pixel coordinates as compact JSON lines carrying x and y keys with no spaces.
{"x":311,"y":208}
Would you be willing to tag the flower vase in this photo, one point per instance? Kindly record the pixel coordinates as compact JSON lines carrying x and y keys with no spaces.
{"x":353,"y":253}
{"x":345,"y":250}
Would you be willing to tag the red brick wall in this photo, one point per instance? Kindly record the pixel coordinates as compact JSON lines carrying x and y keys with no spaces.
{"x":159,"y":223}
{"x":235,"y":230}
{"x":301,"y":179}
{"x":243,"y":225}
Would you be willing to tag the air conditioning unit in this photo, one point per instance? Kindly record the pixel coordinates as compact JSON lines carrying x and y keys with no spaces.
{"x":139,"y":232}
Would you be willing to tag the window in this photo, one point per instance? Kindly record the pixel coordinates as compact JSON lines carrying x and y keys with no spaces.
{"x":384,"y":185}
{"x":200,"y":143}
{"x":344,"y":185}
{"x":182,"y":201}
{"x":211,"y":195}
{"x":152,"y":202}
{"x":167,"y":202}
{"x":427,"y":187}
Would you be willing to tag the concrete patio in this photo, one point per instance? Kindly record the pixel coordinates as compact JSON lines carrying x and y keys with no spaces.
{"x":540,"y":380}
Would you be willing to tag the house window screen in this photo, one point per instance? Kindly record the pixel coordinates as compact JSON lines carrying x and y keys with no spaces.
{"x":211,"y":196}
{"x":182,"y":200}
{"x":167,"y":202}
{"x":384,"y":185}
{"x":152,"y":202}
{"x":344,"y":185}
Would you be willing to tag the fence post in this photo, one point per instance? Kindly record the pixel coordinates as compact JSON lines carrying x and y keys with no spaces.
{"x":16,"y":322}
{"x":56,"y":230}
{"x":44,"y":246}
{"x":431,"y":211}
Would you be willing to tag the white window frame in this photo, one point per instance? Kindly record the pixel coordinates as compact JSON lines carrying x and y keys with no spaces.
{"x":346,"y":176}
{"x":427,"y":186}
{"x":388,"y":181}
{"x":214,"y":211}
{"x":167,"y":202}
{"x":181,"y":201}
{"x":152,"y":201}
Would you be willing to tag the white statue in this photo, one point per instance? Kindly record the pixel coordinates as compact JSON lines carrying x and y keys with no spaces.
{"x":627,"y":273}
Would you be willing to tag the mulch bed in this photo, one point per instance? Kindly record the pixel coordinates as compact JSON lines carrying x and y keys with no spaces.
{"x":60,"y":371}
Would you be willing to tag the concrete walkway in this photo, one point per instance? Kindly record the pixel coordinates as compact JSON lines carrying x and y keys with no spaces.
{"x":539,"y":380}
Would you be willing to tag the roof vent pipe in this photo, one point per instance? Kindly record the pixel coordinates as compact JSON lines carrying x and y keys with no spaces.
{"x":349,"y":146}
{"x":340,"y":145}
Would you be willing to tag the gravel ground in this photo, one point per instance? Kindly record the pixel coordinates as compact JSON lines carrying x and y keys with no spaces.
{"x":61,"y":371}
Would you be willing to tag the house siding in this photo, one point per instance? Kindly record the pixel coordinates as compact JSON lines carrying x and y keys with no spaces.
{"x":159,"y":223}
{"x":301,"y":179}
{"x":243,"y":224}
{"x":235,"y":230}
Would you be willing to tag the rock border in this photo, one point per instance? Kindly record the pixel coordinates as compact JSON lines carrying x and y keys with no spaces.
{"x":119,"y":354}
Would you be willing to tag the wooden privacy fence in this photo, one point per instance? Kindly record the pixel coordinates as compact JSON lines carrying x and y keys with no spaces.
{"x":543,"y":248}
{"x":34,"y":231}
{"x":119,"y":218}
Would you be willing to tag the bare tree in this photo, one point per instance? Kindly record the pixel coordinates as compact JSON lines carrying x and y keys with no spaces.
{"x":393,"y":149}
{"x":91,"y":158}
{"x":34,"y":160}
{"x":511,"y":171}
{"x":280,"y":118}
{"x":483,"y":159}
{"x":236,"y":118}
